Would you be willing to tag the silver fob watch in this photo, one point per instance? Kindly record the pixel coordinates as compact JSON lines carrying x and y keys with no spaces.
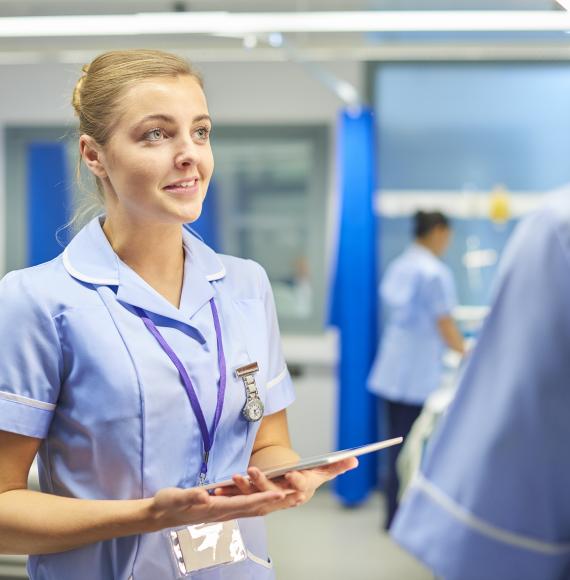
{"x":253,"y":408}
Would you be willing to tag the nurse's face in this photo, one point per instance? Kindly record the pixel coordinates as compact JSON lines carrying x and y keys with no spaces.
{"x":158,"y":161}
{"x":442,"y":239}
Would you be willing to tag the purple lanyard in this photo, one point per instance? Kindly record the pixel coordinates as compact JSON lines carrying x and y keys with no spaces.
{"x":207,"y":437}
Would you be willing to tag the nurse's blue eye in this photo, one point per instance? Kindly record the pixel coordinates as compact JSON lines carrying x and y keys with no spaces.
{"x":154,"y":134}
{"x":203,"y":133}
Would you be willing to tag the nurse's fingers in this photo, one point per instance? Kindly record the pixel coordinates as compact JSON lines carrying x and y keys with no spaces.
{"x":244,"y":484}
{"x":297,"y":480}
{"x":310,"y":479}
{"x":174,"y":498}
{"x":260,"y":481}
{"x":256,"y":504}
{"x":335,"y":469}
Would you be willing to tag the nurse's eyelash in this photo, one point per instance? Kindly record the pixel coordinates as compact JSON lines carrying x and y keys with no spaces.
{"x":154,"y":134}
{"x":203,"y":133}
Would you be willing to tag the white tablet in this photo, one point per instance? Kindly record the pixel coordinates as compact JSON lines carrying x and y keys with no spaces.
{"x":318,"y":461}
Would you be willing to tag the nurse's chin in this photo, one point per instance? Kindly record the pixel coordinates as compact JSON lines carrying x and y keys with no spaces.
{"x":185,"y":212}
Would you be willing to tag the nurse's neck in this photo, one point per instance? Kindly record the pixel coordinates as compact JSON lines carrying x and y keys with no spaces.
{"x":430,"y":244}
{"x":154,"y":251}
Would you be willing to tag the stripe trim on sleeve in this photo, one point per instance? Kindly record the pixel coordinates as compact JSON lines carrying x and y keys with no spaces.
{"x":259,"y":560}
{"x":277,"y":379}
{"x":483,"y":527}
{"x":27,"y":401}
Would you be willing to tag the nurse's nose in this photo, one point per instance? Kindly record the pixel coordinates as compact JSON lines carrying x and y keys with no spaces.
{"x":187,"y":154}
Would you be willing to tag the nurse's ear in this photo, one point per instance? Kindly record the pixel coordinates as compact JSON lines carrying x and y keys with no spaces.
{"x":92,"y":156}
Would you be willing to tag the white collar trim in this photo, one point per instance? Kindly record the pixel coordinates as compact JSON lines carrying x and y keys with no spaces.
{"x":83,"y":277}
{"x":204,"y":254}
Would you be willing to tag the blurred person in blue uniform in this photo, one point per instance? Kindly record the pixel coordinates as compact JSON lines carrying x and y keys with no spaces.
{"x":418,"y":293}
{"x":492,"y":499}
{"x":120,"y":358}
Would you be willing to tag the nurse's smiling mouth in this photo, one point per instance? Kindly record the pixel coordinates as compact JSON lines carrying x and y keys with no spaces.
{"x":186,"y":186}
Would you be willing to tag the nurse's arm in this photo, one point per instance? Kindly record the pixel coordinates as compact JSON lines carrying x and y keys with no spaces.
{"x":39,"y":523}
{"x":272,"y":444}
{"x":450,"y":334}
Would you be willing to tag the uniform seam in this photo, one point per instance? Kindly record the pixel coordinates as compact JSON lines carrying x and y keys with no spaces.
{"x":259,"y":276}
{"x":143,"y":417}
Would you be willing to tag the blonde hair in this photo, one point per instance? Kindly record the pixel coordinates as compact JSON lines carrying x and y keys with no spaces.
{"x":97,"y":96}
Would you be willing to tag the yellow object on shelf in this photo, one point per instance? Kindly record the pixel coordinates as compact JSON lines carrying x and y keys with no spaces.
{"x":500,"y":205}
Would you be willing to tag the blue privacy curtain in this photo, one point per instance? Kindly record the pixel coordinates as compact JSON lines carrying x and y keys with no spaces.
{"x":354,"y":299}
{"x":207,"y":225}
{"x":48,"y":203}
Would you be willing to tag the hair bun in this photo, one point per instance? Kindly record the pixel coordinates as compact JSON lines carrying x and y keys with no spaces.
{"x":76,"y":96}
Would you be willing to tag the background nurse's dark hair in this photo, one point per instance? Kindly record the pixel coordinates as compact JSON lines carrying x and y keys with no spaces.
{"x":426,"y":221}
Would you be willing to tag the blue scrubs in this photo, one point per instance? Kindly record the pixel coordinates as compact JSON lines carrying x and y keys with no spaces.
{"x":492,"y":501}
{"x":80,"y":371}
{"x":417,"y":290}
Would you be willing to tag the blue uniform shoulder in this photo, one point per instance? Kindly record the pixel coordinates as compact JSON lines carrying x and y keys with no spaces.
{"x":47,"y":285}
{"x":550,"y":223}
{"x":246,"y":278}
{"x":425,"y":265}
{"x":556,"y":209}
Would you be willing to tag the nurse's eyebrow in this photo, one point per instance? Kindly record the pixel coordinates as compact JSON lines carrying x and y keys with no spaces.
{"x":169,"y":119}
{"x":202,"y":118}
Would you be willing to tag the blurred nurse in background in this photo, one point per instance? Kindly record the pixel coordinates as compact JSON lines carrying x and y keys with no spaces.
{"x":419,"y":295}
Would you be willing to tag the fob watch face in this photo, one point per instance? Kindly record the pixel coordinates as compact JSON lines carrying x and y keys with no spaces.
{"x":253,"y":410}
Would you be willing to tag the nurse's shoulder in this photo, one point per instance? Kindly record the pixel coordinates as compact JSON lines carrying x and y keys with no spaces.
{"x":247,"y":278}
{"x":414,"y":269}
{"x":47,"y":286}
{"x":243,"y":279}
{"x":432,"y":271}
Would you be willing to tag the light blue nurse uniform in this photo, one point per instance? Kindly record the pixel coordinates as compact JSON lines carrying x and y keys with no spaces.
{"x":416,"y":290}
{"x":492,"y":501}
{"x":80,"y":371}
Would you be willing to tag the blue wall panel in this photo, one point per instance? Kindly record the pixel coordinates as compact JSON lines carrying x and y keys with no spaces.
{"x":48,"y":203}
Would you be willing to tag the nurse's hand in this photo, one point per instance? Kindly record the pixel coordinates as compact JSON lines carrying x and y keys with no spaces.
{"x":173,"y":506}
{"x":300,"y":486}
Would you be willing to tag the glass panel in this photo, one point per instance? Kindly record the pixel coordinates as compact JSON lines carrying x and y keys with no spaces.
{"x":266,"y":189}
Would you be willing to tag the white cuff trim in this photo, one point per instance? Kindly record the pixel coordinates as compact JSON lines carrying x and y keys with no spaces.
{"x":277,"y":379}
{"x":27,"y":401}
{"x":483,"y":527}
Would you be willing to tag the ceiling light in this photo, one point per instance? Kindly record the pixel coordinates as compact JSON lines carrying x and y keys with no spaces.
{"x":267,"y":23}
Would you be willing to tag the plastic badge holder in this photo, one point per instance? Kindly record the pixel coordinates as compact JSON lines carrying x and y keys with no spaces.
{"x":206,"y":546}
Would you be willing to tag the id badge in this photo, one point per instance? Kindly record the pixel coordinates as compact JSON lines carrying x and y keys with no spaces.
{"x":206,"y":546}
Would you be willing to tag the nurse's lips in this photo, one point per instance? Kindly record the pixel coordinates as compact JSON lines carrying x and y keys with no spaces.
{"x":186,"y":186}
